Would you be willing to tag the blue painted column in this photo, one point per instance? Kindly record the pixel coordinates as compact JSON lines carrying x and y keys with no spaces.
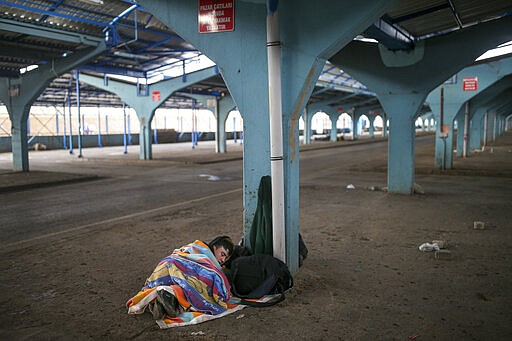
{"x":155,"y":134}
{"x":225,"y":105}
{"x":397,"y":76}
{"x":221,"y":107}
{"x":307,"y":117}
{"x":384,"y":125}
{"x":371,"y":129}
{"x":145,"y":135}
{"x":239,"y":55}
{"x":476,"y":135}
{"x":355,"y":120}
{"x":144,"y":106}
{"x":460,"y":133}
{"x":450,"y":98}
{"x":70,"y":123}
{"x":401,"y":165}
{"x":241,"y":59}
{"x":80,"y":119}
{"x":99,"y":128}
{"x":125,"y":149}
{"x":333,"y":117}
{"x":19,"y":135}
{"x":64,"y":136}
{"x":19,"y":94}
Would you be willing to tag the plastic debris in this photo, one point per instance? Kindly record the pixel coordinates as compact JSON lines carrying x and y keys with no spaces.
{"x":197,"y":333}
{"x":241,"y":316}
{"x":350,"y":186}
{"x":412,"y":337}
{"x":427,"y":247}
{"x":418,"y":189}
{"x":210,"y":177}
{"x":479,"y":225}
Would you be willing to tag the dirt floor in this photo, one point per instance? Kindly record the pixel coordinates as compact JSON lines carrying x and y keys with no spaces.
{"x":364,"y":278}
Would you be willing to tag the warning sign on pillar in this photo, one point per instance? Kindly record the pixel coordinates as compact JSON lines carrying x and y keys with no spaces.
{"x":155,"y":96}
{"x":216,"y":16}
{"x":470,"y":84}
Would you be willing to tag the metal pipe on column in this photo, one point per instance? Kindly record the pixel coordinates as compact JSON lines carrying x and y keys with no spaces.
{"x":78,"y":110}
{"x":129,"y":128}
{"x":466,"y":129}
{"x":64,"y":136}
{"x":124,"y":131}
{"x":99,"y":128}
{"x":276,"y":130}
{"x":70,"y":120}
{"x":155,"y":133}
{"x":441,"y":115}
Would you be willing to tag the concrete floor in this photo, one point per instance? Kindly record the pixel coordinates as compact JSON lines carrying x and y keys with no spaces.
{"x":79,"y":236}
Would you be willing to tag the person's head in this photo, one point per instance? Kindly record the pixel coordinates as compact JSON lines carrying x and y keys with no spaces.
{"x":222,"y":248}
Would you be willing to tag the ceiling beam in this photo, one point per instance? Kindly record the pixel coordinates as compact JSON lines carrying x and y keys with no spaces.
{"x":48,"y":32}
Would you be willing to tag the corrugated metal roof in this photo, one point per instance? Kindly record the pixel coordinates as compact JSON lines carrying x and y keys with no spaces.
{"x":424,"y":18}
{"x":142,"y":44}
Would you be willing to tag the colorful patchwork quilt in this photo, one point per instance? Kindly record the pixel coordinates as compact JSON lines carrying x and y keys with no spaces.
{"x":195,"y":277}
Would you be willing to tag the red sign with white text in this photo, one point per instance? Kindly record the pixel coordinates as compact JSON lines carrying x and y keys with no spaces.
{"x":155,"y":96}
{"x":216,"y":16}
{"x":470,"y":84}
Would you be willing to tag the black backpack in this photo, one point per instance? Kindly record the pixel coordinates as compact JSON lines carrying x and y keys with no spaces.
{"x":259,"y":275}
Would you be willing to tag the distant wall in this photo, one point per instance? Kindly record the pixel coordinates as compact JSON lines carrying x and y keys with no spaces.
{"x":55,"y":142}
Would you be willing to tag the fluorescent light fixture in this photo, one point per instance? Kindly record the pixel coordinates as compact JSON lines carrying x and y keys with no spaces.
{"x":366,"y":40}
{"x":28,"y":68}
{"x":92,"y":2}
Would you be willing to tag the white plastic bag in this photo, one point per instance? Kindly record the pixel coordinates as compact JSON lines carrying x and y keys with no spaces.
{"x":427,"y":247}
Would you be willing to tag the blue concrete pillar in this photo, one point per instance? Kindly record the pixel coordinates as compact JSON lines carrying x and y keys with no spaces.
{"x":355,"y":120}
{"x":226,"y":105}
{"x":371,"y":128}
{"x":145,"y":136}
{"x":401,"y":165}
{"x":241,"y":56}
{"x":398,"y":75}
{"x":145,"y":106}
{"x":401,"y":141}
{"x":334,"y":130}
{"x":475,"y":134}
{"x":444,"y":136}
{"x":223,"y":106}
{"x":460,"y":133}
{"x":307,"y":116}
{"x":19,"y":94}
{"x":451,"y":98}
{"x":358,"y":112}
{"x":19,"y":136}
